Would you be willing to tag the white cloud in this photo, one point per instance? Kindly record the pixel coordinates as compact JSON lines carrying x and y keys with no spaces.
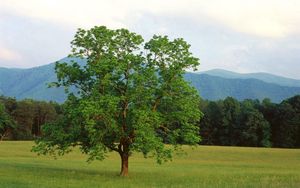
{"x":264,"y":18}
{"x":9,"y":55}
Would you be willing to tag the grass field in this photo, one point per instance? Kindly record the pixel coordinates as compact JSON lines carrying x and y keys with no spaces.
{"x":205,"y":166}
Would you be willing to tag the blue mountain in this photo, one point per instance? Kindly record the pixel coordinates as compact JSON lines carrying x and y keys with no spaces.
{"x":266,"y":77}
{"x":213,"y":85}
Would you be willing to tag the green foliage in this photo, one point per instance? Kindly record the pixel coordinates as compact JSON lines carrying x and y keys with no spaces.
{"x":235,"y":123}
{"x":230,"y":124}
{"x":251,"y":123}
{"x":6,"y":123}
{"x":131,"y":96}
{"x":285,"y":122}
{"x":255,"y":129}
{"x":24,"y":115}
{"x":211,"y":123}
{"x":28,"y":116}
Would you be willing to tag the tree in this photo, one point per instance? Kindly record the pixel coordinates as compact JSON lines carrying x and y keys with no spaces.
{"x":230,"y":126}
{"x":9,"y":103}
{"x":295,"y":121}
{"x":254,"y":129}
{"x":286,"y":123}
{"x":23,"y":115}
{"x":211,"y":123}
{"x":6,"y":123}
{"x":43,"y":112}
{"x":127,"y":92}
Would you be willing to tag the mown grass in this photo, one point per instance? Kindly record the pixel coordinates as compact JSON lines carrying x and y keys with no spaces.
{"x":204,"y":166}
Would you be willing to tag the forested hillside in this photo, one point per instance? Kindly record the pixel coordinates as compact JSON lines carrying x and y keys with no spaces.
{"x":214,"y":88}
{"x":269,"y":78}
{"x":213,"y":85}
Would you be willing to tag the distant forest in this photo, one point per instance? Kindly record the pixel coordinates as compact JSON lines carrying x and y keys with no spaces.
{"x":227,"y":122}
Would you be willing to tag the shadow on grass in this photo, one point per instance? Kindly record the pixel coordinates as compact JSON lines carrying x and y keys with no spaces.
{"x":49,"y":170}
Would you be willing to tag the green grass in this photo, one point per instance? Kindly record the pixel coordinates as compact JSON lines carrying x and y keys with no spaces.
{"x":204,"y":166}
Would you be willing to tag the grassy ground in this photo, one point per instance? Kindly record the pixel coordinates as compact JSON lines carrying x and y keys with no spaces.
{"x":205,"y":166}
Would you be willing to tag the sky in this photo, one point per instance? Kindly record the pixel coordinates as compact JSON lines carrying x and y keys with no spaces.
{"x":237,"y":35}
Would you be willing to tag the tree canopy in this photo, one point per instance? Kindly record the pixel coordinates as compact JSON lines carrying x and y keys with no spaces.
{"x":233,"y":123}
{"x":6,"y":122}
{"x":131,"y":97}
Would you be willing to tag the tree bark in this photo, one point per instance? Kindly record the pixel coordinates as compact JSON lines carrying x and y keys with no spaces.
{"x":124,"y":164}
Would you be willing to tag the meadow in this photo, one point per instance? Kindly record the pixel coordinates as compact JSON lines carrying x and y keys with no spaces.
{"x":203,"y":166}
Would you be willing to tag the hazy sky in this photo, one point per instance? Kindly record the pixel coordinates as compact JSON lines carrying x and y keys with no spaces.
{"x":237,"y":35}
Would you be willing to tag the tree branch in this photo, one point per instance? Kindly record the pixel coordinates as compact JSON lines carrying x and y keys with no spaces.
{"x":111,"y":147}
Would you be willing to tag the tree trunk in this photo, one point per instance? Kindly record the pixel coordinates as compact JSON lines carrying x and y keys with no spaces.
{"x":3,"y":135}
{"x":124,"y":164}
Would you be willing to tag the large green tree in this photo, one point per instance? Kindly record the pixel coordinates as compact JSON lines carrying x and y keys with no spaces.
{"x":131,"y":96}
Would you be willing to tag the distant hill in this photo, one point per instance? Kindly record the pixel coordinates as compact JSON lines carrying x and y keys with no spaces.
{"x":214,"y":88}
{"x":266,"y":77}
{"x":30,"y":83}
{"x":212,"y":85}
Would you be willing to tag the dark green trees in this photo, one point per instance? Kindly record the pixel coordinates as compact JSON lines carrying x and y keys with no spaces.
{"x":255,"y":130}
{"x":24,"y":115}
{"x":230,"y":122}
{"x":28,"y":116}
{"x":233,"y":123}
{"x":251,"y":123}
{"x":130,"y":95}
{"x":211,"y":123}
{"x":6,"y":123}
{"x":285,"y":122}
{"x":43,"y":112}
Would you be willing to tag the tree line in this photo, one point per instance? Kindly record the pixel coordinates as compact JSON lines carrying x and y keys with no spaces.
{"x":227,"y":122}
{"x":23,"y":120}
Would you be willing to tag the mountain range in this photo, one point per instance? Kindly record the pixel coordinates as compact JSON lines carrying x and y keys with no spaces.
{"x":212,"y":85}
{"x":266,"y":77}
